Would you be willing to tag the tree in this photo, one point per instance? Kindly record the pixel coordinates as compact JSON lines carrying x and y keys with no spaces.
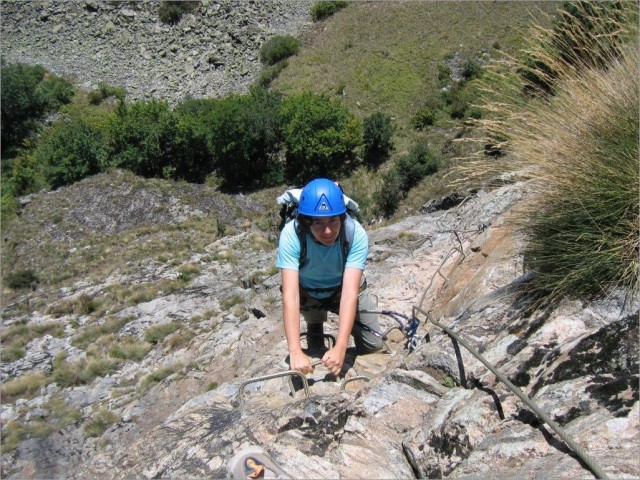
{"x":144,"y":137}
{"x":320,"y":136}
{"x":377,"y":138}
{"x":71,"y":152}
{"x":243,"y":138}
{"x":27,"y":94}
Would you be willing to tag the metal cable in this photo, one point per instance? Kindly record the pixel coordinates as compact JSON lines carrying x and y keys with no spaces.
{"x":593,"y":466}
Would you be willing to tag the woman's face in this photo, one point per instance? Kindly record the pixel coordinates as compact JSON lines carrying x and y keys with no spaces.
{"x":326,"y":229}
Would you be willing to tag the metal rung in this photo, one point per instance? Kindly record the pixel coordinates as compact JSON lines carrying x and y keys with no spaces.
{"x":288,"y":373}
{"x":353,"y":379}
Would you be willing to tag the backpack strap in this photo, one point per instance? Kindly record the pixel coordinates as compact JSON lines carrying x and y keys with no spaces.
{"x":347,"y":233}
{"x":302,"y":237}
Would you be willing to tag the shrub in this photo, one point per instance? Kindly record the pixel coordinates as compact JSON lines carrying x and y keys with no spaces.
{"x":320,"y":136}
{"x":69,"y":374}
{"x":424,"y":117}
{"x":444,"y":75}
{"x":583,"y":235}
{"x":26,"y":176}
{"x":13,"y":352}
{"x":22,"y":279}
{"x":25,"y":386}
{"x":170,"y":12}
{"x":99,"y":424}
{"x":70,"y":152}
{"x":471,"y":69}
{"x":578,"y":149}
{"x":27,"y":94}
{"x":147,"y":137}
{"x":104,"y":91}
{"x":377,"y":133}
{"x":157,"y":376}
{"x":242,"y":136}
{"x":414,"y":166}
{"x":269,"y":73}
{"x":584,"y":35}
{"x":390,"y":195}
{"x":326,"y":8}
{"x":457,"y":99}
{"x":89,"y":334}
{"x":55,"y":91}
{"x":278,"y":48}
{"x":130,"y":349}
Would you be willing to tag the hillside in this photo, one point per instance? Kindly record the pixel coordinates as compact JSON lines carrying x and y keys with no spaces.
{"x":135,"y":310}
{"x":136,"y":370}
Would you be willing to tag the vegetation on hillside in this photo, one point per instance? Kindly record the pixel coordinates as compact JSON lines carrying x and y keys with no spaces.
{"x":378,"y":105}
{"x":569,"y":116}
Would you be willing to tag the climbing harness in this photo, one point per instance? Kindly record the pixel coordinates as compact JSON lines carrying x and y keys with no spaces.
{"x":408,"y":329}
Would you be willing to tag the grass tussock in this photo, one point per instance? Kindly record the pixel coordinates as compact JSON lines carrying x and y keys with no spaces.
{"x":157,"y":333}
{"x":130,"y":349}
{"x":26,"y":386}
{"x":569,"y":125}
{"x":100,"y":423}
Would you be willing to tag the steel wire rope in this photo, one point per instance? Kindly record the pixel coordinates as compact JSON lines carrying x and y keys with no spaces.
{"x":593,"y":466}
{"x":584,"y":456}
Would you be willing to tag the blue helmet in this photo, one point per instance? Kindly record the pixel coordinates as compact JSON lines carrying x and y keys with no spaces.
{"x":321,"y":198}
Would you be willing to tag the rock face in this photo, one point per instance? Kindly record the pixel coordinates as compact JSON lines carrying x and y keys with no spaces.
{"x":435,"y":411}
{"x":211,"y":52}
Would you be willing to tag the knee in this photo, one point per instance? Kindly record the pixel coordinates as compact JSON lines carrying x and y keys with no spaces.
{"x":370,"y":345}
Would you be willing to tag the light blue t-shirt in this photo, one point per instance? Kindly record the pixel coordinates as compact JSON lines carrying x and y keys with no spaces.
{"x":323,"y":268}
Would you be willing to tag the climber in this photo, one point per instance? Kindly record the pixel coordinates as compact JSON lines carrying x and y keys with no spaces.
{"x":322,"y":256}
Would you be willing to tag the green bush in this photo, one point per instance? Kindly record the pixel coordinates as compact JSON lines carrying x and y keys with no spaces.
{"x":390,"y":195}
{"x":130,"y":349}
{"x":278,"y":48}
{"x":471,"y":69}
{"x":149,"y":139}
{"x":170,"y":12}
{"x":104,"y":91}
{"x":377,"y":134}
{"x":22,"y":279}
{"x":583,"y":235}
{"x":320,"y":136}
{"x":99,"y":424}
{"x":55,"y":91}
{"x":233,"y":132}
{"x":269,"y":73}
{"x":243,"y":137}
{"x":70,"y":152}
{"x":326,"y":8}
{"x":424,"y":117}
{"x":444,"y":75}
{"x":157,"y":333}
{"x":458,"y":99}
{"x":28,"y":93}
{"x":414,"y":166}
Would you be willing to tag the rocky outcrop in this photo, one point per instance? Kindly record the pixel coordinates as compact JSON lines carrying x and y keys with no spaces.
{"x":435,"y":411}
{"x":211,"y":52}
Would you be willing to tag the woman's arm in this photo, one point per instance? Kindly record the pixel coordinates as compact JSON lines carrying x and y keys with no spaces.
{"x":334,"y":358}
{"x":298,"y":360}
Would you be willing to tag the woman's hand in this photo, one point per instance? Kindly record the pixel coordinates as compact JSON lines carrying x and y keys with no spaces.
{"x":334,"y":359}
{"x":300,"y":361}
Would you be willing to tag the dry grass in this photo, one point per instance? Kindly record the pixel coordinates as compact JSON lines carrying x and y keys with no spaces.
{"x":578,"y":150}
